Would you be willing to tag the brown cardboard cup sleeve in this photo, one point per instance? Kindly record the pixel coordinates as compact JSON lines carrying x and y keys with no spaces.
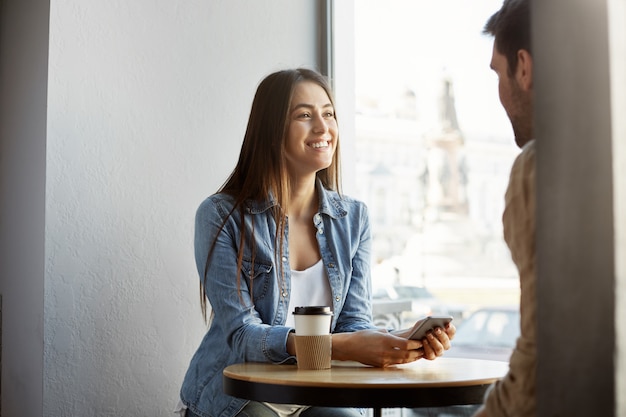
{"x":313,"y":352}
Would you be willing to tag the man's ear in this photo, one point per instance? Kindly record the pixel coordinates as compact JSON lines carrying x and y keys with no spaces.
{"x":524,"y":73}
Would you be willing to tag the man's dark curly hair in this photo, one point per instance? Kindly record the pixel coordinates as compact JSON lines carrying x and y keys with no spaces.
{"x":510,"y":27}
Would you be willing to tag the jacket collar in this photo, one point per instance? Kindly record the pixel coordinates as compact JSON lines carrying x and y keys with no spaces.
{"x":330,"y":203}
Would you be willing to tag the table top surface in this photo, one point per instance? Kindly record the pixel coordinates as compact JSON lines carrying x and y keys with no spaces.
{"x":442,"y":372}
{"x":442,"y":382}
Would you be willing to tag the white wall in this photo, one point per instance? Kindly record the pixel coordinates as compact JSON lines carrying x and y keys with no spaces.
{"x":147,"y":105}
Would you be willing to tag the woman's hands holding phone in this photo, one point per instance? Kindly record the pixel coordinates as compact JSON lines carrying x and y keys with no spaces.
{"x":434,"y":332}
{"x":382,"y":348}
{"x":375,"y":347}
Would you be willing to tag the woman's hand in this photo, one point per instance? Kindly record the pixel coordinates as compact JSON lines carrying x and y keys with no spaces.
{"x":436,"y":341}
{"x":376,"y":348}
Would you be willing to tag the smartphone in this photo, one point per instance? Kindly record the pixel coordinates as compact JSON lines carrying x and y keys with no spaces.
{"x":422,"y":326}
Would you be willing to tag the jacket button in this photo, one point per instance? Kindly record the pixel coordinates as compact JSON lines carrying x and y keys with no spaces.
{"x":331,"y":265}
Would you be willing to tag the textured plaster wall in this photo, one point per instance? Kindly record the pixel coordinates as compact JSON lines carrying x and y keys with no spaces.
{"x":147,"y":105}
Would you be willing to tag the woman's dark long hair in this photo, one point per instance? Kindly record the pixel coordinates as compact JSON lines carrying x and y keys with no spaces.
{"x":261,"y":171}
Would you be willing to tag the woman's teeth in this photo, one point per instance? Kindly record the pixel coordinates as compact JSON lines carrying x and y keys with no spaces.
{"x":320,"y":145}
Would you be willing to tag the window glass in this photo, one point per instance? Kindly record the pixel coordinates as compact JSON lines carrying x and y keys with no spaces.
{"x":434,"y":150}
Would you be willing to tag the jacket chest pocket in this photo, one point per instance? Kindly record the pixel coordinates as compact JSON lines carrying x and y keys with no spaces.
{"x":258,"y":277}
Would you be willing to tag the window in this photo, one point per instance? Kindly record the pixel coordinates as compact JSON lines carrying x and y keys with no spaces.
{"x":434,"y":150}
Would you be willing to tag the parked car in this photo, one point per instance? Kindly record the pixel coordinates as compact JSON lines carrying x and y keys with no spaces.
{"x":387,"y":314}
{"x":422,"y":303}
{"x":488,"y":333}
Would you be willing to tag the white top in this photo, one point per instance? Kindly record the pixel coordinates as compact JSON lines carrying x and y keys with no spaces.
{"x":309,"y":288}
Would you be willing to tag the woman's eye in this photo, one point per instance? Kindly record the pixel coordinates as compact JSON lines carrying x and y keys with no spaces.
{"x":329,"y":114}
{"x":304,"y":116}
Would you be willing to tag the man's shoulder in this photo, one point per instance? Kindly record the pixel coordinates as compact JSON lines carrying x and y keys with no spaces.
{"x":527,"y":156}
{"x":529,"y":147}
{"x":524,"y":167}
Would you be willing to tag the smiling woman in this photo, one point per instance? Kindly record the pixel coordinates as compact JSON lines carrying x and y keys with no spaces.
{"x":277,"y":234}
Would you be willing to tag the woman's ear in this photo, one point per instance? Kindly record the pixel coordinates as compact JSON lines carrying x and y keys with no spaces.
{"x":524,"y":73}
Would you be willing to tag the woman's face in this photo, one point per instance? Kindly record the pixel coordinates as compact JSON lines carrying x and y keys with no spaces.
{"x":312,"y":133}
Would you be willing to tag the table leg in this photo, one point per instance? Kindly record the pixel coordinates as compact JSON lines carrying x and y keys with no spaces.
{"x":377,"y":412}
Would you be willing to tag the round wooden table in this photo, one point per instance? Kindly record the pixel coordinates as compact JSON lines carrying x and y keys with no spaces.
{"x":438,"y":383}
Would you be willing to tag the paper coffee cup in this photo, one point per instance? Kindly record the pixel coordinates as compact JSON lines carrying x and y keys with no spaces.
{"x":314,"y":352}
{"x":312,"y":320}
{"x":313,"y":339}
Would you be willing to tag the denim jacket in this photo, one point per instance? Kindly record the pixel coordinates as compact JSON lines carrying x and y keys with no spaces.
{"x":248,"y":323}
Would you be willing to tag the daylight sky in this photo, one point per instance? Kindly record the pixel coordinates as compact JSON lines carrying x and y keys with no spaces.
{"x":413,"y":43}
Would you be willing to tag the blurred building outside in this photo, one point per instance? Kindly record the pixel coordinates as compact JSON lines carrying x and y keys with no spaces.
{"x":436,"y":198}
{"x":433,"y":166}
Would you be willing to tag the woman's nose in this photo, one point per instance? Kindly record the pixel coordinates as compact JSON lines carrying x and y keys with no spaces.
{"x":320,"y":124}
